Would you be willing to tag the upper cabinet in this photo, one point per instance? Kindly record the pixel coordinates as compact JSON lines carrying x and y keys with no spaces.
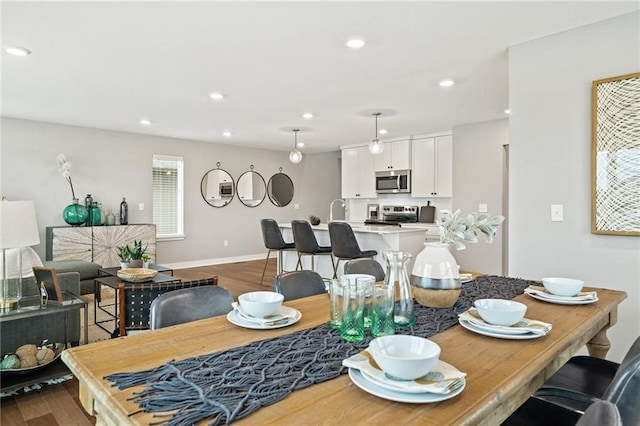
{"x":396,"y":156}
{"x":358,"y":176}
{"x":432,"y":167}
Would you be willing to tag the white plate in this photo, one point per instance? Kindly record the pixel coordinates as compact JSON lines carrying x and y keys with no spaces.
{"x":235,"y":318}
{"x":499,"y":329}
{"x":472,"y":327}
{"x":562,"y":301}
{"x":412,"y":398}
{"x":409,"y":386}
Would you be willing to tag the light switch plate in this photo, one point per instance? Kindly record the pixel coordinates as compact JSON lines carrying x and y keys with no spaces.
{"x":482,"y":208}
{"x":141,"y":206}
{"x":296,"y":206}
{"x":557,"y":214}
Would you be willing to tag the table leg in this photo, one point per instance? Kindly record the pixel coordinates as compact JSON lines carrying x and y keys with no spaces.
{"x":86,"y":324}
{"x":599,"y":345}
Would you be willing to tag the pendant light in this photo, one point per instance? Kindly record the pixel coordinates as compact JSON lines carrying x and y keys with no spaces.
{"x":375,"y":146}
{"x":295,"y":156}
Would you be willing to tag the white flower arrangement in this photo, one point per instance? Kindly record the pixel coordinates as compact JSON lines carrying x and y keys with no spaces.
{"x":458,"y":228}
{"x":65,"y":171}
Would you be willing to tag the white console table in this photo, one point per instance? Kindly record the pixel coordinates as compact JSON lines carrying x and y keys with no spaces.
{"x":97,"y":244}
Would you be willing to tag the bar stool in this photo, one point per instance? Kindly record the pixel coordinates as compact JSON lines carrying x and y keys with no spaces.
{"x":307,"y":244}
{"x":273,"y":240}
{"x":344,"y":244}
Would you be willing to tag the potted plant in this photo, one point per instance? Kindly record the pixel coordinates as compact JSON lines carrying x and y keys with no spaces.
{"x":132,"y":256}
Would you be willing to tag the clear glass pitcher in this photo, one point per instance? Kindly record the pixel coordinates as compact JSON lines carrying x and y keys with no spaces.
{"x":398,"y":278}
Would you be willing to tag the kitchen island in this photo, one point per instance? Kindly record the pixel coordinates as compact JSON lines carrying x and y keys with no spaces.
{"x":408,"y":237}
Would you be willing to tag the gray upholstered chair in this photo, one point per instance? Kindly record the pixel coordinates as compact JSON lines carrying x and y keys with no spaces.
{"x":135,"y":299}
{"x":189,"y":304}
{"x":344,"y":244}
{"x":88,"y":272}
{"x":297,"y":284}
{"x":306,"y":243}
{"x":601,"y":413}
{"x":367,"y":266}
{"x":273,"y":240}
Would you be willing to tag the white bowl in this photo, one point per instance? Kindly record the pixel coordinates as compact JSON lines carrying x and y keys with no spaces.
{"x":499,"y":311}
{"x":260,"y":304}
{"x":404,"y":357}
{"x":563,"y":286}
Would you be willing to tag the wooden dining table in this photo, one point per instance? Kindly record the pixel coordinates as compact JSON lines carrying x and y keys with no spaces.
{"x":501,"y":374}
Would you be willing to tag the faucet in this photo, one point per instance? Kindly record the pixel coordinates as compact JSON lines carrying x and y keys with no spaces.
{"x":342,"y":204}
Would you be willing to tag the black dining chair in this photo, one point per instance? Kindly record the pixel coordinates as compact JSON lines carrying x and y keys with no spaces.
{"x":273,"y":240}
{"x":307,"y":244}
{"x":565,"y":407}
{"x":344,"y":244}
{"x":367,"y":266}
{"x":297,"y":284}
{"x":190,"y":304}
{"x":589,"y":375}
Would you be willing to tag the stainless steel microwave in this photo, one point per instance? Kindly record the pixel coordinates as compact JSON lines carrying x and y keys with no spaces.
{"x":393,"y":182}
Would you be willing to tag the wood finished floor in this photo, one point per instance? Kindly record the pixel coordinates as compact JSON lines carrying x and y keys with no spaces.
{"x":59,"y":404}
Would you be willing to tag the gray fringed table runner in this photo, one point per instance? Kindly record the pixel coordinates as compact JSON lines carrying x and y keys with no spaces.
{"x":229,"y":385}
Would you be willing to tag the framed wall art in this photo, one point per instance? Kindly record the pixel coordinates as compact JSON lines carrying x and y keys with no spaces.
{"x":615,"y":158}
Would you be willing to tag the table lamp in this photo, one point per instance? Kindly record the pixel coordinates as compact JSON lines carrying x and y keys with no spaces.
{"x":18,"y":228}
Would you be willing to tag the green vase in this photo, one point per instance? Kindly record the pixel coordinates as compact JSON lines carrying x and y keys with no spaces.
{"x":75,"y":214}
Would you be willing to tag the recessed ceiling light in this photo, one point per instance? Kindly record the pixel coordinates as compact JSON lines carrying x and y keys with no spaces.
{"x":145,"y":122}
{"x":307,"y":116}
{"x":17,"y":50}
{"x":355,"y":43}
{"x":216,"y":96}
{"x":226,"y":134}
{"x":447,"y":83}
{"x":383,"y":131}
{"x":507,"y":111}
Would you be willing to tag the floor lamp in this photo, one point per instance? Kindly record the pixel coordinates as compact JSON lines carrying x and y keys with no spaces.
{"x":18,"y":228}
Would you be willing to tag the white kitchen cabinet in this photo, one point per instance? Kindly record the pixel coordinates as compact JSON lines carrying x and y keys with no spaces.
{"x":432,"y":167}
{"x":358,"y":176}
{"x":396,"y":156}
{"x":97,"y":243}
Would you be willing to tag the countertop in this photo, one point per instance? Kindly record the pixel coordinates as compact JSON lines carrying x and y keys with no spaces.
{"x":374,"y":229}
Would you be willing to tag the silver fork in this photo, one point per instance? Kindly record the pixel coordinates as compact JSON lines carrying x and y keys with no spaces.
{"x":450,"y":386}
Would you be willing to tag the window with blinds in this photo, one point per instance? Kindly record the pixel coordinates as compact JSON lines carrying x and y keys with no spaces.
{"x":168,"y":196}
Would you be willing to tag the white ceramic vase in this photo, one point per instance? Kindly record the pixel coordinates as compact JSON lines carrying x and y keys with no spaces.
{"x":435,"y":279}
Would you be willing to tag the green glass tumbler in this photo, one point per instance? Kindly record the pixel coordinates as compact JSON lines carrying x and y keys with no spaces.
{"x":382,"y":310}
{"x":352,"y":325}
{"x":75,"y":214}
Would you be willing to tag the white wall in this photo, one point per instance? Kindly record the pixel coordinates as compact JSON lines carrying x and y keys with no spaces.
{"x":478,"y":178}
{"x":550,"y":163}
{"x":110,"y":165}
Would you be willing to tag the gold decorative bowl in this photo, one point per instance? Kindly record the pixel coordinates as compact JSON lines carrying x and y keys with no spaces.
{"x":136,"y":275}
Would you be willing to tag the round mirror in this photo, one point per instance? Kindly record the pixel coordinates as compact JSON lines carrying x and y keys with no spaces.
{"x":280,"y":189}
{"x":251,"y":188}
{"x":217,"y":187}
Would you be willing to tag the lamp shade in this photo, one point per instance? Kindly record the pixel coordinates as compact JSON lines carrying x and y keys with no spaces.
{"x":18,"y":225}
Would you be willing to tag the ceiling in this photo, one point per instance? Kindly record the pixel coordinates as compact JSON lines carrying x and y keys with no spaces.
{"x":109,"y":64}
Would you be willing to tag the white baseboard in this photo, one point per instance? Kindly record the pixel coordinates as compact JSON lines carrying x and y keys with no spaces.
{"x":215,"y":261}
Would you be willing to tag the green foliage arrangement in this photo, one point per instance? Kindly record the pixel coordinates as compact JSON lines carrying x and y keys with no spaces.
{"x":459,"y":228}
{"x":128,"y":252}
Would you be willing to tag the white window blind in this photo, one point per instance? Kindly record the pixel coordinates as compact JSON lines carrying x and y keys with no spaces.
{"x":168,"y":196}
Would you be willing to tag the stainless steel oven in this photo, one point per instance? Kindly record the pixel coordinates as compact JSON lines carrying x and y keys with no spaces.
{"x":393,"y":182}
